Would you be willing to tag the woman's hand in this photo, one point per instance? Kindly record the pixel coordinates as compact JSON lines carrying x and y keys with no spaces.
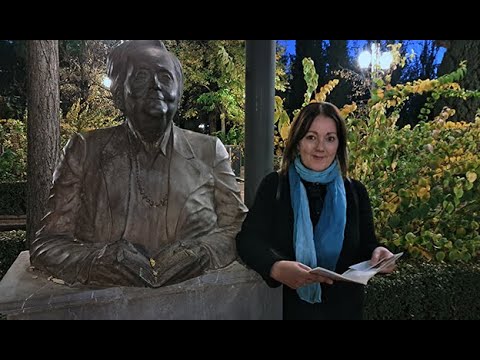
{"x":380,"y":253}
{"x":295,"y":275}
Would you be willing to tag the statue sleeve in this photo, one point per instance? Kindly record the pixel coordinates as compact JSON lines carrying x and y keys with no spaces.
{"x":55,"y":249}
{"x":230,"y":211}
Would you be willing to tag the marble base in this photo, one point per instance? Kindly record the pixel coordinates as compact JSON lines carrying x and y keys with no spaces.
{"x":234,"y":292}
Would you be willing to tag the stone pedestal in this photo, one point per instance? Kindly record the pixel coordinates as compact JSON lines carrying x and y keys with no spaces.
{"x":231,"y":293}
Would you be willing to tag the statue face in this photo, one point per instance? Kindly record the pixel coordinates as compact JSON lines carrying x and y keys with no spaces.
{"x":151,"y":90}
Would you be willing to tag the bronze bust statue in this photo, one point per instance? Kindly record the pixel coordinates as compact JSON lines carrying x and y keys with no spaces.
{"x":144,"y":203}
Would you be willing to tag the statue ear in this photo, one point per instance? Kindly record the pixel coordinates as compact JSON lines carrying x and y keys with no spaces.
{"x":161,"y":45}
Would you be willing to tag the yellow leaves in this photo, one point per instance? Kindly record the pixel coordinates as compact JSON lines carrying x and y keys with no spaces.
{"x":453,"y":86}
{"x":278,"y":103}
{"x":348,"y":109}
{"x":425,"y":85}
{"x":439,"y":173}
{"x":321,"y":95}
{"x":423,"y":189}
{"x":391,"y":202}
{"x":391,"y":103}
{"x":422,"y":251}
{"x":471,"y":176}
{"x":380,"y":93}
{"x":394,"y":165}
{"x":152,"y":262}
{"x":285,"y":131}
{"x":423,"y":193}
{"x":391,"y":207}
{"x":460,"y":125}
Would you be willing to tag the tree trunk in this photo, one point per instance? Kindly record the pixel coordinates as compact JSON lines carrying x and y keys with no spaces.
{"x":43,"y":127}
{"x":457,"y":51}
{"x":338,"y":59}
{"x":213,"y":123}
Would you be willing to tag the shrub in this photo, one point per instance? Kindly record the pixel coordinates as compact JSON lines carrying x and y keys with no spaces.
{"x":423,"y":182}
{"x":12,"y":198}
{"x":425,"y":291}
{"x":13,"y":150}
{"x":12,"y":243}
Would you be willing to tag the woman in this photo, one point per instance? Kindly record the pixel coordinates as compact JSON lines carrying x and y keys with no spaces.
{"x":309,"y":214}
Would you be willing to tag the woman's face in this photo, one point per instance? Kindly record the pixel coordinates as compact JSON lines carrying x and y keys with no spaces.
{"x":318,"y":148}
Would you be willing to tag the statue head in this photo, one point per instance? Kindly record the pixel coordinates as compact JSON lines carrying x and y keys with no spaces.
{"x":147,"y":84}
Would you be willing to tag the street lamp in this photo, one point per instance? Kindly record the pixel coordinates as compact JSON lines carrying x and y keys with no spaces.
{"x":375,"y":59}
{"x":106,"y":82}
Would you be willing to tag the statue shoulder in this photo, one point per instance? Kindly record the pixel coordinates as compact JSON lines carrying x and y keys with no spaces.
{"x":199,"y":141}
{"x":97,"y":139}
{"x":101,"y":134}
{"x":205,"y":147}
{"x":193,"y":136}
{"x":94,"y":141}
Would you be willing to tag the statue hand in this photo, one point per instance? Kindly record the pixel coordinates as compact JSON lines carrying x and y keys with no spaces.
{"x":137,"y":263}
{"x":180,"y":261}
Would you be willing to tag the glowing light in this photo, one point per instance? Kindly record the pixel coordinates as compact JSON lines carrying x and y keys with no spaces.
{"x":107,"y":82}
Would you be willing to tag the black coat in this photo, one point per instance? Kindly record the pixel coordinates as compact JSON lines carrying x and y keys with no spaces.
{"x":267,"y":237}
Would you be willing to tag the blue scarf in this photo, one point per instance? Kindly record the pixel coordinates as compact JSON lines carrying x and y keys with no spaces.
{"x":320,"y":247}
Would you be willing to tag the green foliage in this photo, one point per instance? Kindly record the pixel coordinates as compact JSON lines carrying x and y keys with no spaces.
{"x":96,"y":112}
{"x":12,"y":243}
{"x":423,"y":182}
{"x":12,"y":78}
{"x":13,"y":151}
{"x":425,"y":291}
{"x":234,"y":140}
{"x":214,"y":73}
{"x":13,"y":198}
{"x":311,"y":78}
{"x":86,"y":103}
{"x":214,"y":90}
{"x":281,"y":77}
{"x":234,"y":136}
{"x":82,"y":68}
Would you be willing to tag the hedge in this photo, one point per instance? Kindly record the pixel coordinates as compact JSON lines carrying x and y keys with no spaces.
{"x":12,"y":243}
{"x":425,"y":291}
{"x":13,"y":198}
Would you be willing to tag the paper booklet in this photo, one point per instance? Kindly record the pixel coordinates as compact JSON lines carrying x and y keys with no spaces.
{"x":358,"y":273}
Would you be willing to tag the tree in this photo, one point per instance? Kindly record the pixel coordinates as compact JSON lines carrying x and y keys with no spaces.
{"x":43,"y":126}
{"x":85,"y":102}
{"x":458,"y":51}
{"x":82,"y":68}
{"x":421,"y":67}
{"x":214,"y":72}
{"x":12,"y":79}
{"x":304,"y":48}
{"x":338,"y":60}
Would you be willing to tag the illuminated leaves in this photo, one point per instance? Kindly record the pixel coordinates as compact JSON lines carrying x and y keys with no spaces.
{"x":471,"y":176}
{"x":422,"y":181}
